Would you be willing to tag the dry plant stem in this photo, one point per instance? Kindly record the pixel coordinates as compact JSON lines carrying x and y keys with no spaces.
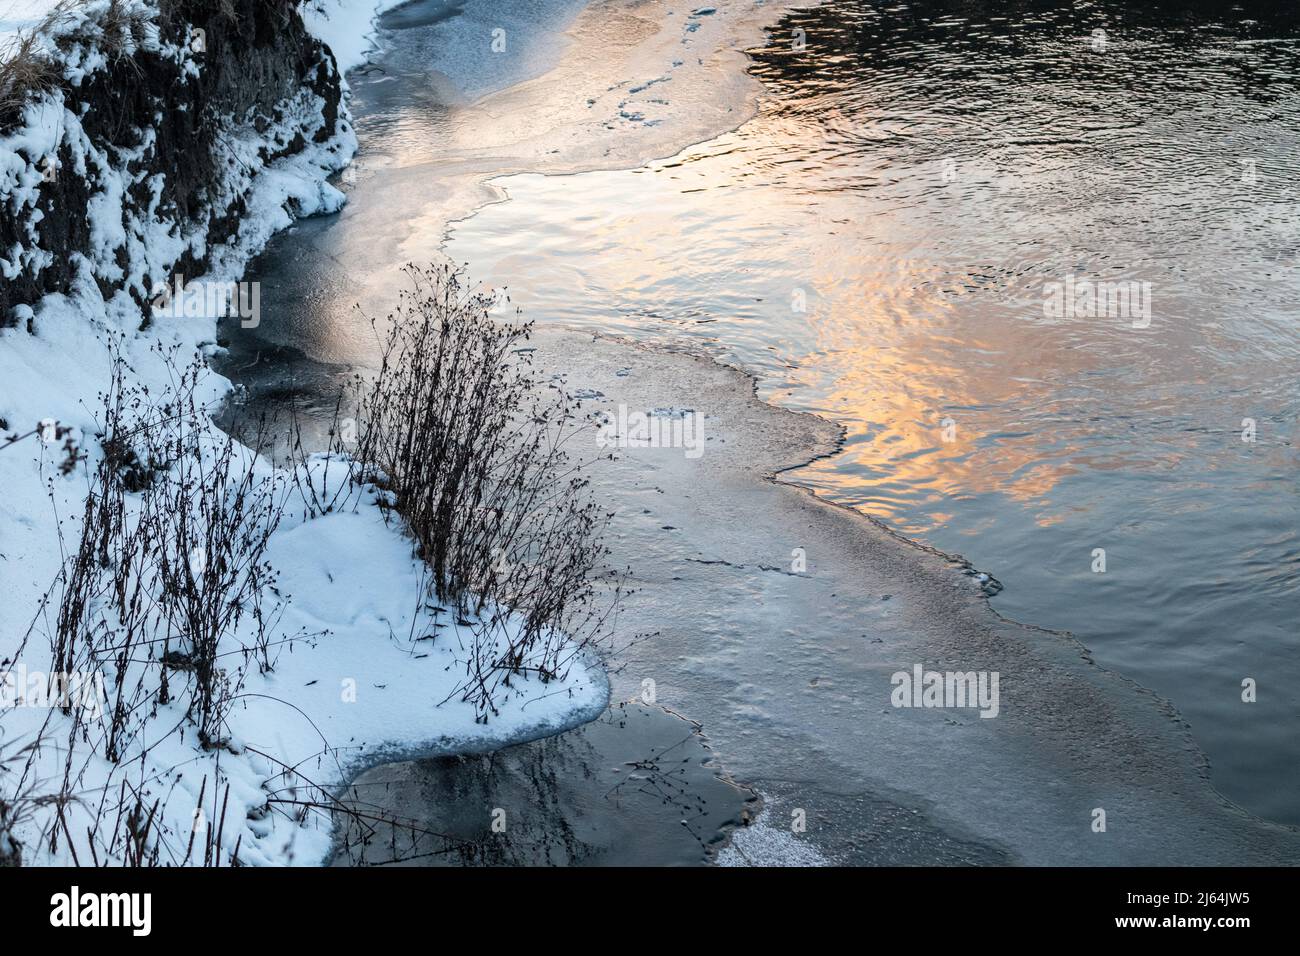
{"x":471,"y":445}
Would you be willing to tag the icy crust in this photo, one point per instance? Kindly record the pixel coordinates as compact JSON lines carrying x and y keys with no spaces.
{"x":352,"y":682}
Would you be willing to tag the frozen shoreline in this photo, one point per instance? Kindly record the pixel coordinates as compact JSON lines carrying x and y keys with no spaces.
{"x":789,"y":671}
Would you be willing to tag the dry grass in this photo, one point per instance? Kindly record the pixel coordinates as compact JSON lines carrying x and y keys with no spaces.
{"x":29,"y":61}
{"x":26,"y":73}
{"x":169,"y":559}
{"x":468,"y":443}
{"x":472,"y":444}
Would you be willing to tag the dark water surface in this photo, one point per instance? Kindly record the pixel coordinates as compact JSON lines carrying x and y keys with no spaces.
{"x":638,"y":786}
{"x":876,"y":245}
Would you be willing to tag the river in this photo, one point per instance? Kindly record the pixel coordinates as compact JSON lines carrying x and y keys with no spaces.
{"x":869,"y":212}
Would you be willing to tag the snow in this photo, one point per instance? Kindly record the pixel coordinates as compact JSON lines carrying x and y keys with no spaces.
{"x":350,"y":686}
{"x":764,"y":843}
{"x":21,"y":16}
{"x":347,"y":27}
{"x":16,"y":15}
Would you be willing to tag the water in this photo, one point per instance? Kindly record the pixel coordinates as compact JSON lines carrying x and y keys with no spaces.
{"x":638,"y":786}
{"x":875,"y":246}
{"x":445,"y":54}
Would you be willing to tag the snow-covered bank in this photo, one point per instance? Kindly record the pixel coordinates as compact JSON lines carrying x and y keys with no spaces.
{"x":174,"y":160}
{"x":345,"y":26}
{"x":168,"y":146}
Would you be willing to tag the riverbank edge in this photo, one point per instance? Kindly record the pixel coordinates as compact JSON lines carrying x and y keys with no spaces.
{"x":162,"y":154}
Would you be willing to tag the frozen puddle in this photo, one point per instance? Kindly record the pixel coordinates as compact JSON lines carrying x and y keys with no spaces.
{"x":637,"y":786}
